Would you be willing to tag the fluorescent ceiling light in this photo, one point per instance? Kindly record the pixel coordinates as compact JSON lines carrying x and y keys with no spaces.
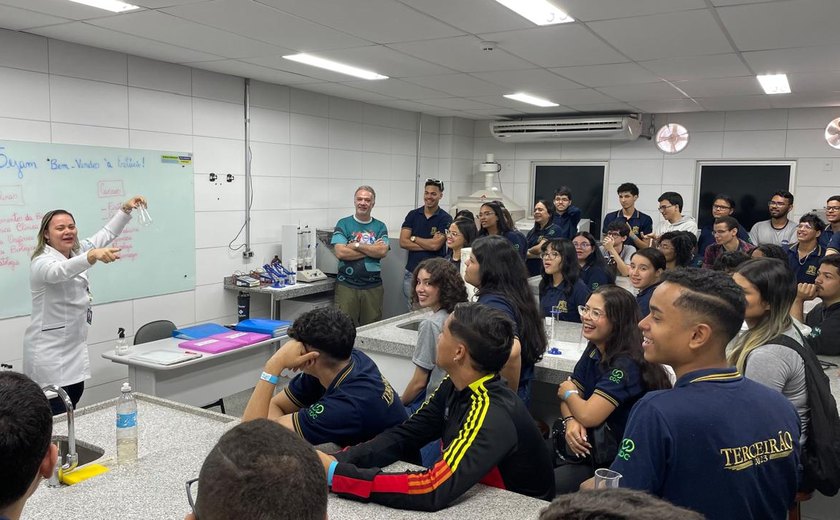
{"x":774,"y":83}
{"x":115,"y":6}
{"x":334,"y":66}
{"x":538,"y":11}
{"x":533,"y":100}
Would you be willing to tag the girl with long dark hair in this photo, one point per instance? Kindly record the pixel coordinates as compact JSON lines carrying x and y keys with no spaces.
{"x":544,"y":229}
{"x":678,"y":248}
{"x":460,"y":234}
{"x":502,"y":282}
{"x":611,"y":376}
{"x":593,"y":267}
{"x":561,"y":289}
{"x":492,"y":220}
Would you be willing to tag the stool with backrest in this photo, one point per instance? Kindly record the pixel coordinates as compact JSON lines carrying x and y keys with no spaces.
{"x":161,"y":329}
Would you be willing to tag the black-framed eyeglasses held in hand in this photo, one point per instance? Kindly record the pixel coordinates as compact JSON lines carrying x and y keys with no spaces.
{"x":190,"y":496}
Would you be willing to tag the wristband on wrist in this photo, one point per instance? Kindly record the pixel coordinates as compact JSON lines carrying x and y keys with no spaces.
{"x":568,"y":393}
{"x":568,"y":418}
{"x":265,"y":376}
{"x":331,"y":472}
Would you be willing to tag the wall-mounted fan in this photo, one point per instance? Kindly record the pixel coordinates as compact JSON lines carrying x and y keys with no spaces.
{"x":672,"y":138}
{"x":832,"y":134}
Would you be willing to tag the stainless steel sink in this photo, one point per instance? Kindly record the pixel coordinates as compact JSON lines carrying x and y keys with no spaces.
{"x":410,"y":325}
{"x":87,"y":452}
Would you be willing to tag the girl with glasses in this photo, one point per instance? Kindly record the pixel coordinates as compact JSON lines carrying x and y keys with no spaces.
{"x":561,"y":289}
{"x":544,"y":229}
{"x":460,"y":234}
{"x":492,"y":220}
{"x":593,"y":268}
{"x":611,"y":376}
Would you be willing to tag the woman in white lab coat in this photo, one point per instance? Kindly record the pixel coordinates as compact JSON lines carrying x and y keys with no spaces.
{"x":55,"y":344}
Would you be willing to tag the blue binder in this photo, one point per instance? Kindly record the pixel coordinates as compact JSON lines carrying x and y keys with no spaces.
{"x":199,"y":331}
{"x":264,"y":326}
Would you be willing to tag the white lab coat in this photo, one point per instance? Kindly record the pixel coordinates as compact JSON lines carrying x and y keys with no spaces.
{"x":55,"y":344}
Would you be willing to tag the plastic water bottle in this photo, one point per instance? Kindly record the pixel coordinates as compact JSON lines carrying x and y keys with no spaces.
{"x":126,"y":426}
{"x":121,"y":348}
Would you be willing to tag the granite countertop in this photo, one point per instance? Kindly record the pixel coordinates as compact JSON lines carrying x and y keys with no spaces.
{"x":174,"y":439}
{"x":390,"y":337}
{"x":290,"y":291}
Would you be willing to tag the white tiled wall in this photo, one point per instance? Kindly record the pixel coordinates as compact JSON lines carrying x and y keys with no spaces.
{"x":794,"y":134}
{"x":316,"y":147}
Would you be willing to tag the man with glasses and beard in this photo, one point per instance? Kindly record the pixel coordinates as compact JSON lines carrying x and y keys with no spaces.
{"x":779,"y":229}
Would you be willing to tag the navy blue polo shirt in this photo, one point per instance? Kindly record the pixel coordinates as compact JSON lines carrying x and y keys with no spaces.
{"x":639,"y":222}
{"x":550,"y":231}
{"x":567,"y":222}
{"x":594,"y":276}
{"x":805,"y":270}
{"x":358,"y":405}
{"x":555,"y":299}
{"x":643,"y":299}
{"x":620,"y":383}
{"x":717,"y":443}
{"x":526,"y":373}
{"x":833,"y":240}
{"x":423,"y":227}
{"x":519,"y":243}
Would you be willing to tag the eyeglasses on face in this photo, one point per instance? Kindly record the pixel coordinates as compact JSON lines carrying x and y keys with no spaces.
{"x":435,"y":182}
{"x":615,"y":234}
{"x":720,"y":231}
{"x":663,"y":208}
{"x":190,"y":495}
{"x":453,"y":234}
{"x":832,"y":209}
{"x":721,"y":208}
{"x":486,"y":214}
{"x":553,"y":255}
{"x":805,"y":226}
{"x":595,"y":314}
{"x":582,"y":245}
{"x":776,"y":204}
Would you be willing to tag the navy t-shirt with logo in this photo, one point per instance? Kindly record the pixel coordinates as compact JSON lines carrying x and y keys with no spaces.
{"x":805,"y":270}
{"x":358,"y":405}
{"x":423,"y":227}
{"x":554,"y":299}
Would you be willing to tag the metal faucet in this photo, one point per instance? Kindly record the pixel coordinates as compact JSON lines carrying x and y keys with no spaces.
{"x":72,"y":458}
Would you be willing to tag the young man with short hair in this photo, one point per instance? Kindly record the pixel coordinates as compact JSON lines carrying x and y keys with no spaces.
{"x":725,"y":231}
{"x":340,"y":397}
{"x":615,"y":249}
{"x":637,"y":222}
{"x":717,"y":443}
{"x":670,"y":207}
{"x":259,"y":469}
{"x":360,"y":241}
{"x":824,"y":319}
{"x":830,"y":237}
{"x":567,"y":215}
{"x":723,"y":206}
{"x":423,"y":232}
{"x":804,"y":256}
{"x":487,"y":434}
{"x":26,"y":450}
{"x":779,"y":229}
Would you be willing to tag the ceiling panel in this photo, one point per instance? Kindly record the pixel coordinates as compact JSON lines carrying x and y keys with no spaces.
{"x":18,"y":19}
{"x":604,"y":75}
{"x":814,"y":82}
{"x":397,"y":89}
{"x":668,"y":106}
{"x":805,"y":59}
{"x":156,"y":4}
{"x":532,"y":80}
{"x":589,"y":10}
{"x":463,"y":54}
{"x":557,"y":46}
{"x":280,"y":63}
{"x":463,"y":14}
{"x":86,"y":34}
{"x":373,"y":20}
{"x":457,"y":103}
{"x":386,"y":61}
{"x":605,"y":107}
{"x":642,"y":92}
{"x":249,"y":70}
{"x":718,"y":87}
{"x":459,"y":85}
{"x":698,"y":67}
{"x":805,"y":100}
{"x":176,"y":31}
{"x":805,"y":22}
{"x":343,"y":91}
{"x":735,"y":103}
{"x":687,"y":33}
{"x":59,"y":8}
{"x":583,"y":96}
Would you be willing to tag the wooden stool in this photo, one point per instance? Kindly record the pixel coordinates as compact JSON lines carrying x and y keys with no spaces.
{"x":801,"y":496}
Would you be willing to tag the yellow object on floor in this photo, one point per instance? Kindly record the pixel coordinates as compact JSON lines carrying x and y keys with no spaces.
{"x":83,"y":473}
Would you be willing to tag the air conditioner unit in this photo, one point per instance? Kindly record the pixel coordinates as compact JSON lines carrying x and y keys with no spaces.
{"x":623,"y":127}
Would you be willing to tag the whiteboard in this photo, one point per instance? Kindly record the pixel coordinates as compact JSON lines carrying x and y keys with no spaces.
{"x":91,"y":183}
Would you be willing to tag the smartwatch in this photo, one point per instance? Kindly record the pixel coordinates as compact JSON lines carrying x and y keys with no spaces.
{"x":265,"y":376}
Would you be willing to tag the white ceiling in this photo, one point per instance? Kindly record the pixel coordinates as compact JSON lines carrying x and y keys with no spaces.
{"x":621,"y":55}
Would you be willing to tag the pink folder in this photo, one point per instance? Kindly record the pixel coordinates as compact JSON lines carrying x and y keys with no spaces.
{"x":210,"y":345}
{"x":241,"y":338}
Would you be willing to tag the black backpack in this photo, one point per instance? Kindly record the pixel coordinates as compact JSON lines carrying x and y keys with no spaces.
{"x":821,"y":453}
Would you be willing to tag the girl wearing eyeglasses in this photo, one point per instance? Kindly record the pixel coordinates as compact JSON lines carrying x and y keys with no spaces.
{"x":492,"y":220}
{"x":561,"y":289}
{"x":593,"y":268}
{"x":611,"y":376}
{"x":460,"y":234}
{"x":544,"y":229}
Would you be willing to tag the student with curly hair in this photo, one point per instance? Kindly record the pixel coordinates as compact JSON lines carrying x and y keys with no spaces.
{"x":678,"y":248}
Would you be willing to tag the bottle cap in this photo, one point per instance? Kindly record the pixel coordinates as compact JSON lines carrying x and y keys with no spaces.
{"x":121,"y":333}
{"x":126,"y":387}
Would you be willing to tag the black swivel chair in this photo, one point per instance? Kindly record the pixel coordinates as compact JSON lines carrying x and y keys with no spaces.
{"x":160,"y":329}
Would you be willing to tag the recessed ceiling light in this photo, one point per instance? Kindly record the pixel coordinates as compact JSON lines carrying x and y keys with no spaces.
{"x":774,"y":83}
{"x":115,"y":6}
{"x":532,"y":100}
{"x":540,"y":12}
{"x":334,"y":66}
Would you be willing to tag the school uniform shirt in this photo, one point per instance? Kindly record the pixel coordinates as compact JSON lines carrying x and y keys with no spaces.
{"x":833,"y":242}
{"x":55,"y":342}
{"x":567,"y":222}
{"x":620,"y":383}
{"x":487,"y":434}
{"x":526,"y":371}
{"x":764,"y":233}
{"x":358,"y":405}
{"x":717,"y":443}
{"x":594,"y":276}
{"x":554,"y":298}
{"x":824,"y":321}
{"x":714,"y":251}
{"x":423,"y":227}
{"x":533,"y":238}
{"x":364,"y":273}
{"x":519,"y":243}
{"x":685,"y":223}
{"x":639,"y":222}
{"x":805,"y":269}
{"x":643,"y":299}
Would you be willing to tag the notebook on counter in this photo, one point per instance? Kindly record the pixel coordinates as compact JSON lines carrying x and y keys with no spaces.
{"x":209,"y":345}
{"x":241,"y":338}
{"x":165,"y":357}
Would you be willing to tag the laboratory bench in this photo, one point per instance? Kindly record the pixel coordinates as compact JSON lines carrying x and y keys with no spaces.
{"x":288,"y":292}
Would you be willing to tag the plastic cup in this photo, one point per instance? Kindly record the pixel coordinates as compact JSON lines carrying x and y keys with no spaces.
{"x":606,"y":478}
{"x":143,"y":217}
